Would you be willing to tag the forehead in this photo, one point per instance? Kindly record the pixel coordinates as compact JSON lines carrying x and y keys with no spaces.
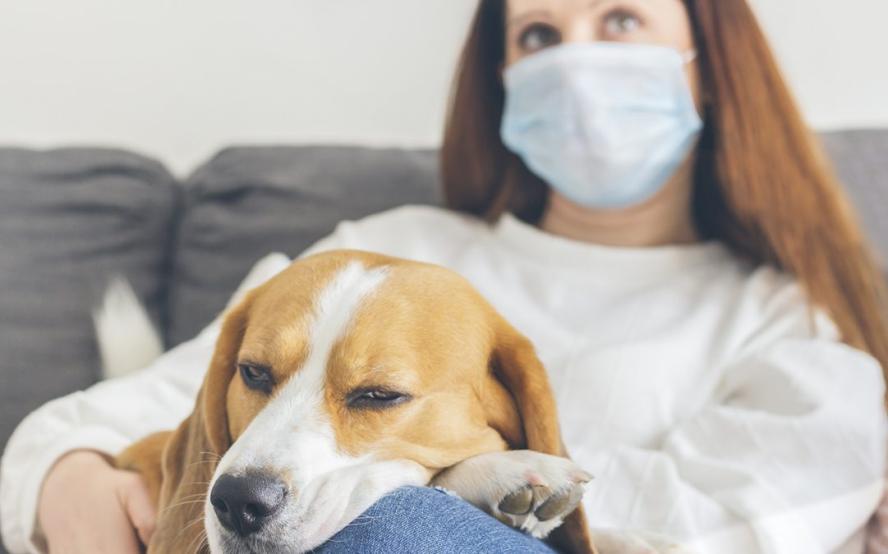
{"x":311,"y":300}
{"x":367,"y":308}
{"x":519,"y":7}
{"x":420,"y":317}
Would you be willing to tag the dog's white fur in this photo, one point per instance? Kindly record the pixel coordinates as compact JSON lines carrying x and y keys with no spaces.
{"x":126,"y":338}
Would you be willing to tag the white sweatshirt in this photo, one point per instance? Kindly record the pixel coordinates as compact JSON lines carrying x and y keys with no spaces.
{"x":707,"y":403}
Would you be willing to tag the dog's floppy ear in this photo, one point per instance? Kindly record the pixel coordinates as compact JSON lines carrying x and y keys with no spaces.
{"x":195,"y":448}
{"x":515,"y":364}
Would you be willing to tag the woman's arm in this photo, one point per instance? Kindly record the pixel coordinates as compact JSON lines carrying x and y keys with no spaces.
{"x":788,"y":458}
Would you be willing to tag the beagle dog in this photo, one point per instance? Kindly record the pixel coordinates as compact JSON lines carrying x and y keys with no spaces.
{"x":344,"y":377}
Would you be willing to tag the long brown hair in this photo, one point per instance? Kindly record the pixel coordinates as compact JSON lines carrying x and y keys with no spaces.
{"x":762,"y":184}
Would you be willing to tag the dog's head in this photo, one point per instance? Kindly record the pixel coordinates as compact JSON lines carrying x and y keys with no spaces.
{"x":345,"y":376}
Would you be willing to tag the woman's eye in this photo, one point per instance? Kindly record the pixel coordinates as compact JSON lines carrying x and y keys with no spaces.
{"x":538,"y":36}
{"x":256,"y":378}
{"x":620,"y":23}
{"x":376,"y":399}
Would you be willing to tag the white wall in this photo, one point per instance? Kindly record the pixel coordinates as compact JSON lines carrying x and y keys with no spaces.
{"x":834,"y":54}
{"x":178,"y":79}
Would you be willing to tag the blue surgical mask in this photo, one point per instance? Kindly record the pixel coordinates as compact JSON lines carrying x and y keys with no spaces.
{"x":604,"y":124}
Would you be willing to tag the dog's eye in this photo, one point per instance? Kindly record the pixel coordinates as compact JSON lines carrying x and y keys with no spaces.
{"x":376,"y":399}
{"x":256,"y":378}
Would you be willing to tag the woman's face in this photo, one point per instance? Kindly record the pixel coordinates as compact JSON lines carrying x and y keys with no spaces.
{"x":533,"y":25}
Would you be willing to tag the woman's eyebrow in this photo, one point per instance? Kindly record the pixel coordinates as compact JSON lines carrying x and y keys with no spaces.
{"x":597,"y":3}
{"x":533,"y":14}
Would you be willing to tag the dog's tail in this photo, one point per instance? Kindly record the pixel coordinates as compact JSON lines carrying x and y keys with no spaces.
{"x":126,"y":337}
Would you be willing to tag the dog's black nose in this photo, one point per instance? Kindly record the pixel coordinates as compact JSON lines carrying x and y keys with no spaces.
{"x":244,"y":503}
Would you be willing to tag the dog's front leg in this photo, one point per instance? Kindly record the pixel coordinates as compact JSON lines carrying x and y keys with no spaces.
{"x":522,"y":488}
{"x":535,"y":492}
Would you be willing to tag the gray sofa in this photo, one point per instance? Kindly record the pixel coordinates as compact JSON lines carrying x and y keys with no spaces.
{"x":72,"y":218}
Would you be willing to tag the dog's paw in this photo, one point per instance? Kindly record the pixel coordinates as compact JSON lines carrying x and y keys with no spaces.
{"x":538,"y":508}
{"x":524,"y":489}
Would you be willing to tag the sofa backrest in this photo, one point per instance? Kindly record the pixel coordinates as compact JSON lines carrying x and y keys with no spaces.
{"x":247,"y":202}
{"x":861,"y":159}
{"x":69,"y":219}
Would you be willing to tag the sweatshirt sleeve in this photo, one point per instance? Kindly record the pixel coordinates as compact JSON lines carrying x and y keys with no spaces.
{"x":788,"y":456}
{"x":107,"y":417}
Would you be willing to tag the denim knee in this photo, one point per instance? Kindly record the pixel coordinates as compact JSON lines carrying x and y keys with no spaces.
{"x":422,"y":519}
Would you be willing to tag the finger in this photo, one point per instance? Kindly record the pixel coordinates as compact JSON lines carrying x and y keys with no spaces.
{"x":120,"y":538}
{"x":116,"y":536}
{"x":139,"y":508}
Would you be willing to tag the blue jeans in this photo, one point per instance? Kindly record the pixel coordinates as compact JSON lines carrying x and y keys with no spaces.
{"x":425,"y":520}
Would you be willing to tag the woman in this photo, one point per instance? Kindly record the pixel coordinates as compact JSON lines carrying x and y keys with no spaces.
{"x":665,"y":229}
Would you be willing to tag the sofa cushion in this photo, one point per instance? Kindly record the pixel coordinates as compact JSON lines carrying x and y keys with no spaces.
{"x":249,"y":201}
{"x":70,"y":219}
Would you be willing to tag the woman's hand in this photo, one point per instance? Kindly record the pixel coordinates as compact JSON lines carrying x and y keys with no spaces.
{"x":88,"y":507}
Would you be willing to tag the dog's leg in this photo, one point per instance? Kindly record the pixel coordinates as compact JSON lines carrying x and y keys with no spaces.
{"x":522,"y":488}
